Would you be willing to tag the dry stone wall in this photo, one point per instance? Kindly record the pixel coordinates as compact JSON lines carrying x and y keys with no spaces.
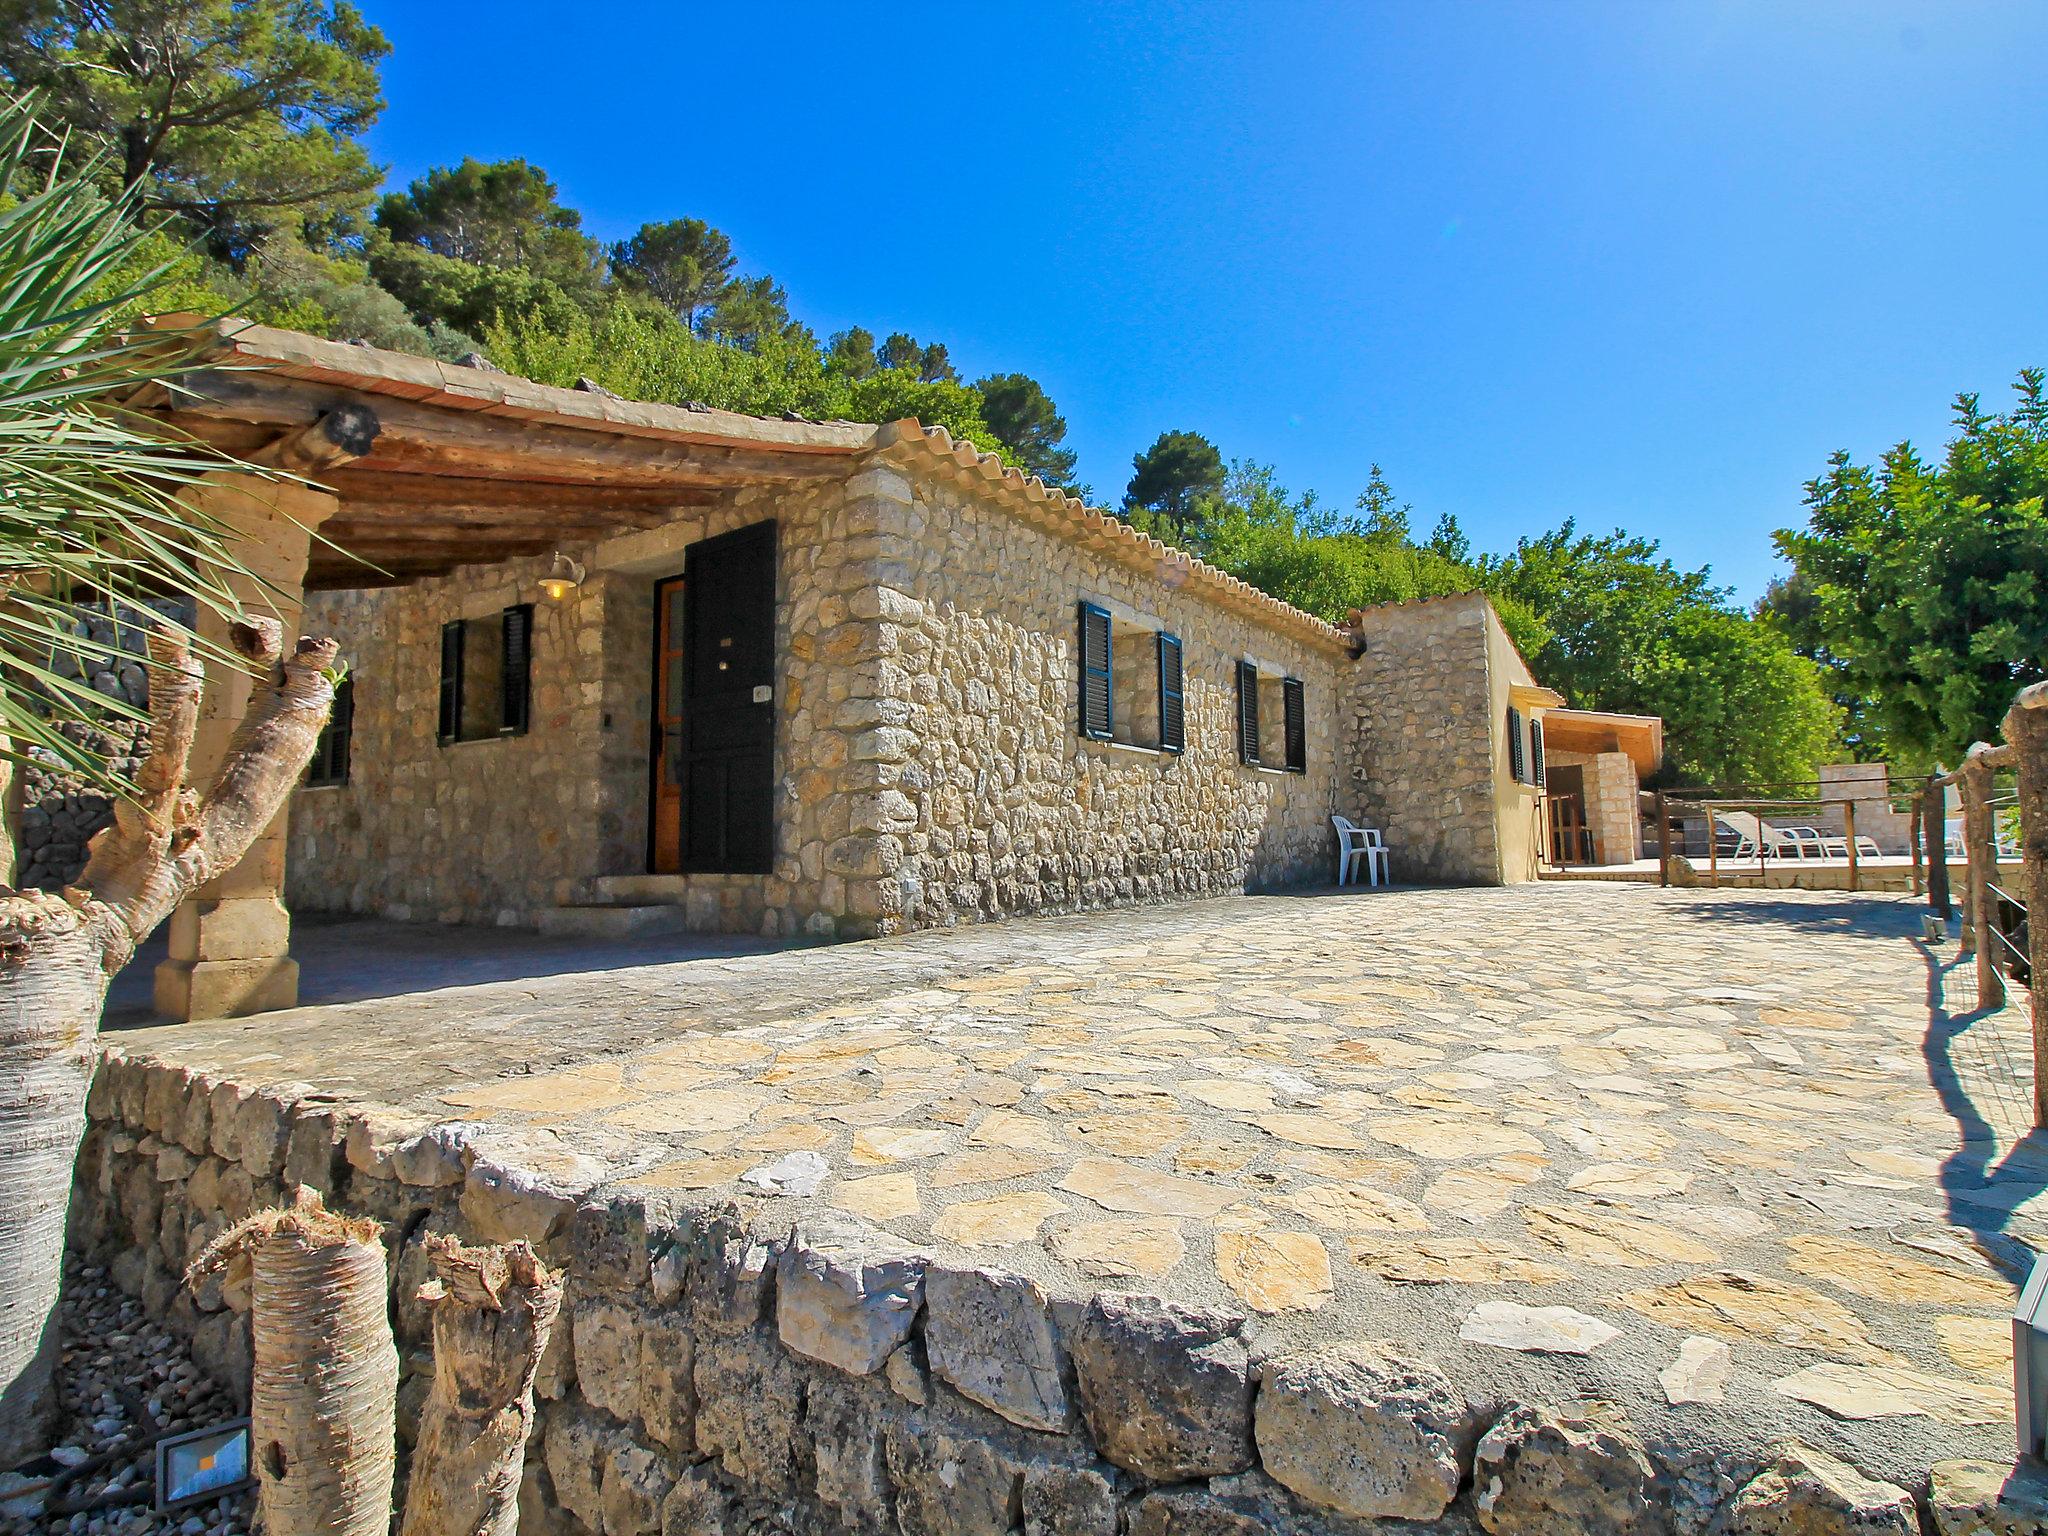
{"x":718,"y":1372}
{"x":1417,"y":707}
{"x":986,"y":798}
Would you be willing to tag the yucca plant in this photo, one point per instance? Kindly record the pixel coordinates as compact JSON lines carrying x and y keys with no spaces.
{"x":89,"y":489}
{"x":95,"y":501}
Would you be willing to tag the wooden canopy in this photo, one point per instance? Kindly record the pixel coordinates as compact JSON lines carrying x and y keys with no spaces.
{"x":436,"y":465}
{"x":1599,"y":730}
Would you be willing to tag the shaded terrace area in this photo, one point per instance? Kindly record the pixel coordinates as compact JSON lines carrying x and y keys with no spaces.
{"x":1719,"y":1117}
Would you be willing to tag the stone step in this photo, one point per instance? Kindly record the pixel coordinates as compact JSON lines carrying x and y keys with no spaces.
{"x":613,"y":921}
{"x":639,"y":890}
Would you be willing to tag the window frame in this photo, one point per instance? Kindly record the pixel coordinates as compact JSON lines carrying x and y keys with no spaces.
{"x":515,"y":676}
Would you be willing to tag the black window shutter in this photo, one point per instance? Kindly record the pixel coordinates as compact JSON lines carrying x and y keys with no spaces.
{"x":451,"y":681}
{"x":1536,"y":752}
{"x":1095,"y":715}
{"x":517,"y":674}
{"x":341,"y":725}
{"x":1296,"y":715}
{"x":1516,"y":768}
{"x":1173,"y":722}
{"x":1248,"y":712}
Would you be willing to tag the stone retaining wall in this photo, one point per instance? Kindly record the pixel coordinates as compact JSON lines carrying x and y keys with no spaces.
{"x":717,"y":1372}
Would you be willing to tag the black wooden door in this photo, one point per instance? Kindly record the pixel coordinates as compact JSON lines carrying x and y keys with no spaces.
{"x":727,"y":746}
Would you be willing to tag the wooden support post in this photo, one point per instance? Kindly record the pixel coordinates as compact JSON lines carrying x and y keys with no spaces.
{"x":1982,"y":848}
{"x":2026,"y":727}
{"x":1713,"y":849}
{"x":1935,"y":807}
{"x":1849,"y":839}
{"x":1663,"y":841}
{"x":1915,"y":838}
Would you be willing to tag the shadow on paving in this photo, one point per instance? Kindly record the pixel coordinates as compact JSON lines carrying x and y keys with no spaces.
{"x":1880,"y":916}
{"x":352,"y":959}
{"x":1974,"y":1066}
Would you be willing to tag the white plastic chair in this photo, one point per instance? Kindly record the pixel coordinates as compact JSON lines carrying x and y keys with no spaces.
{"x":1358,"y":845}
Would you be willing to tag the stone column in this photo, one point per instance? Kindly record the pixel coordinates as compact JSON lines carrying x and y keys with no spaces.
{"x":231,"y":939}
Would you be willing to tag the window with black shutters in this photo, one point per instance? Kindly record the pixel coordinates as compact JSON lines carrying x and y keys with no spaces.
{"x":1536,"y":752}
{"x":1517,"y":766}
{"x":330,"y":752}
{"x":487,"y":676}
{"x":1173,"y":724}
{"x":1294,"y":715}
{"x":1248,"y":713}
{"x":1097,"y":718}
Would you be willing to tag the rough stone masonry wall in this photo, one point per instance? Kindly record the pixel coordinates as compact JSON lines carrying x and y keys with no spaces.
{"x":716,"y":1372}
{"x":500,"y":830}
{"x":1418,"y":705}
{"x":991,"y":801}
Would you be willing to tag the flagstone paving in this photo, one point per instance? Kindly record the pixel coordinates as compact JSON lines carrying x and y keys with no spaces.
{"x":1740,"y":1162}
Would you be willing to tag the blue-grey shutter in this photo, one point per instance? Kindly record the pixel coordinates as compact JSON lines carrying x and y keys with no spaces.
{"x":516,"y":677}
{"x":1173,"y":724}
{"x":1248,"y":713}
{"x":1536,"y":752}
{"x":1095,"y":714}
{"x":451,"y":681}
{"x":1516,"y":768}
{"x":1295,"y":716}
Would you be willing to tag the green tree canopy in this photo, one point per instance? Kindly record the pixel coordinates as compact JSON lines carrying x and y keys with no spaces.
{"x":240,"y":115}
{"x":1630,"y":631}
{"x":505,"y":214}
{"x":1021,"y":413}
{"x":922,"y":360}
{"x":1175,"y":480}
{"x":1924,"y":587}
{"x":750,"y":312}
{"x":851,"y":353}
{"x":683,"y":264}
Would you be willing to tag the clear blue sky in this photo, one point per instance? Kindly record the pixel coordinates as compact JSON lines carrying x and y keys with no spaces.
{"x":1640,"y":264}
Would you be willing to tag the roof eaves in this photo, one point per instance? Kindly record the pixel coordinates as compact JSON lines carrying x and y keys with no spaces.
{"x":912,"y":443}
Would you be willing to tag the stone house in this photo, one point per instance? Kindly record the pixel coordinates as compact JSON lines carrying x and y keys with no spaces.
{"x":619,"y":667}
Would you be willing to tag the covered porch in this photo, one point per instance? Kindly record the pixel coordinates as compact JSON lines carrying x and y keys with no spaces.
{"x":540,"y":525}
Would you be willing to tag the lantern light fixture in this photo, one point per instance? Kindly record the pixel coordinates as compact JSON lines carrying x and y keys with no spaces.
{"x":563,"y":577}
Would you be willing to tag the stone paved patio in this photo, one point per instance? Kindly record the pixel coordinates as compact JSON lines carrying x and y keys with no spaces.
{"x":1753,"y":1143}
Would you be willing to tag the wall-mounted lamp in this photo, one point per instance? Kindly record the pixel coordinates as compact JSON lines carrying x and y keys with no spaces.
{"x":563,"y":577}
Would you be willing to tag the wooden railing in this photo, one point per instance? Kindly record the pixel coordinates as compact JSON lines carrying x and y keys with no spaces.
{"x":2024,"y":752}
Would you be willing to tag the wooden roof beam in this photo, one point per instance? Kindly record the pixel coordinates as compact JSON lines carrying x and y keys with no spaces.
{"x":478,"y":443}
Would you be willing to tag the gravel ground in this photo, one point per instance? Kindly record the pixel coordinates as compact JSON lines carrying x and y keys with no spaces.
{"x":125,"y":1382}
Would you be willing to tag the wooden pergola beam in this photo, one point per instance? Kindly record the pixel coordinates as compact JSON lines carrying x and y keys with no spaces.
{"x":480,"y":443}
{"x":369,"y":488}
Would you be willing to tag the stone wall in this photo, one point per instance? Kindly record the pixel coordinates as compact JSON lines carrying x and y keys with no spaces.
{"x":1417,"y":705}
{"x":717,"y":1372}
{"x":991,"y":800}
{"x":58,"y":814}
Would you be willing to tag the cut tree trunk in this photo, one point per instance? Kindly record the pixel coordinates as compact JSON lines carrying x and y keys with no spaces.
{"x":323,"y":1404}
{"x":58,"y":952}
{"x":493,"y":1311}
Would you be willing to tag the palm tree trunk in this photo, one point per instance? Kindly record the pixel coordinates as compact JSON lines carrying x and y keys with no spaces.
{"x":57,"y":954}
{"x":493,"y":1311}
